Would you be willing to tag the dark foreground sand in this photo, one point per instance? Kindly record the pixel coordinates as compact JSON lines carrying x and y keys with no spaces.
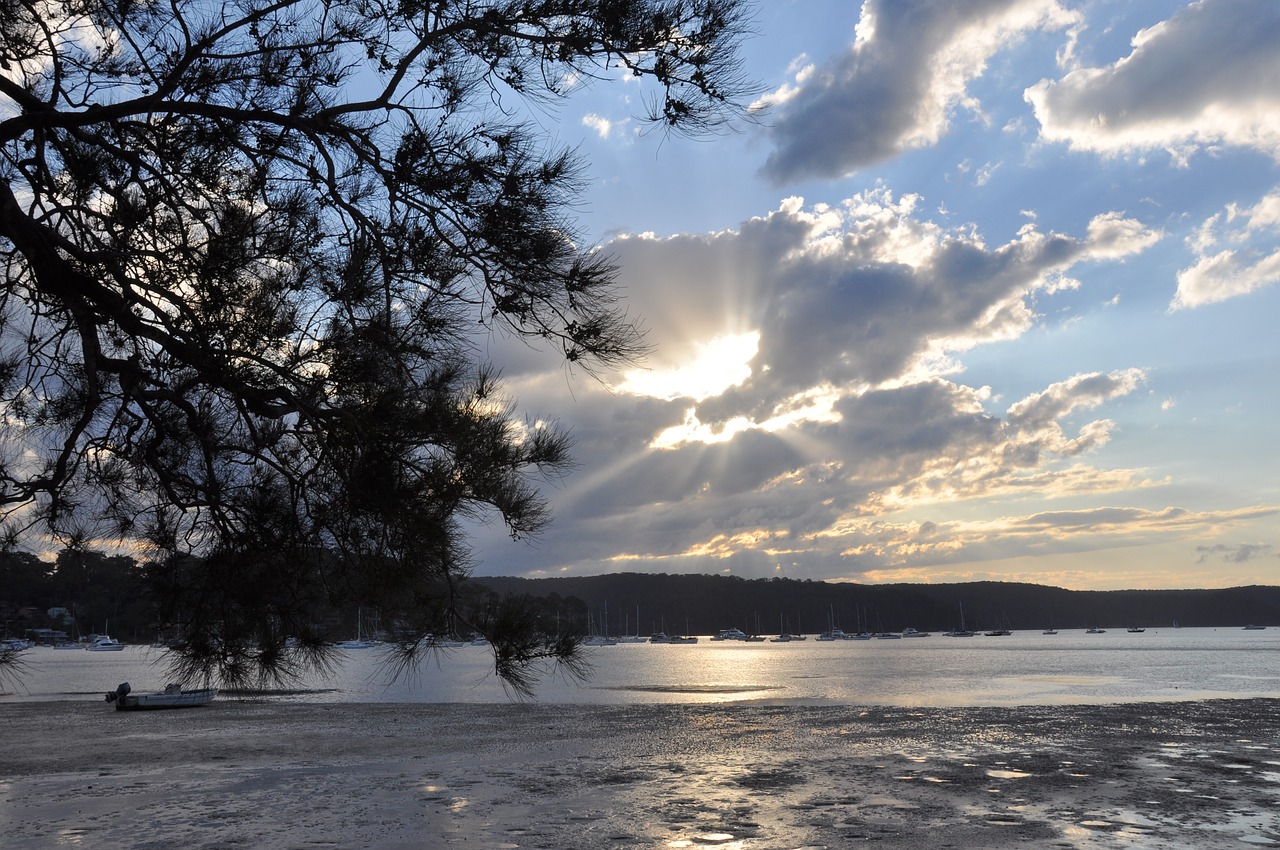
{"x":275,"y":775}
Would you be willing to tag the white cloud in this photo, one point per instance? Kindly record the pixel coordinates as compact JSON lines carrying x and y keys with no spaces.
{"x":897,"y":86}
{"x":1208,"y":76}
{"x":1113,"y":237}
{"x":1239,"y":252}
{"x":1224,"y":275}
{"x":601,"y":125}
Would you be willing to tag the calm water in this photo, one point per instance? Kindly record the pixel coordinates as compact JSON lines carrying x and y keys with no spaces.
{"x":1024,"y":668}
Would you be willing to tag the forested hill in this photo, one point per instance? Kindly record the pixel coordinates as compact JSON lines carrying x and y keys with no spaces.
{"x":706,"y":603}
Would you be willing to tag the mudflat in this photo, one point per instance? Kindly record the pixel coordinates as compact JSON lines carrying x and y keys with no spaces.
{"x":274,"y":774}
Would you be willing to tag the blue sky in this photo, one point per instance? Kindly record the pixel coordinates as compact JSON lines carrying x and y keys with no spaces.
{"x":988,"y":290}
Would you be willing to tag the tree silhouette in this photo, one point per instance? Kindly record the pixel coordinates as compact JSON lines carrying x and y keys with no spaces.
{"x":248,"y":249}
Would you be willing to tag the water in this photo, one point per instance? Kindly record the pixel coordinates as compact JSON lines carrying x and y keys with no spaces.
{"x":1026,"y":668}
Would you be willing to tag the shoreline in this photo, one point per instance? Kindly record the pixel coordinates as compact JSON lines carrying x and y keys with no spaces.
{"x":380,"y":776}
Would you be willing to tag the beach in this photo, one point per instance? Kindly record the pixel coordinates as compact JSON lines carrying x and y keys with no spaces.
{"x":275,"y":774}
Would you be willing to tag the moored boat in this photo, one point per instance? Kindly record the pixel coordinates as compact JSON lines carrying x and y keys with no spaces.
{"x":173,"y":696}
{"x":102,"y":643}
{"x":960,"y":631}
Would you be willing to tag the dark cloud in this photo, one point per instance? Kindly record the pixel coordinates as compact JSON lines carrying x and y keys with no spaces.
{"x":1237,"y":554}
{"x":895,"y":88}
{"x":840,"y":310}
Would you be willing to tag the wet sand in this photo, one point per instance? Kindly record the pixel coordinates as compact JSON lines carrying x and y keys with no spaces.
{"x":242,"y":774}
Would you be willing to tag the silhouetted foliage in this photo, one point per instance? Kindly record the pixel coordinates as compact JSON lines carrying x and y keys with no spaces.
{"x":248,"y":249}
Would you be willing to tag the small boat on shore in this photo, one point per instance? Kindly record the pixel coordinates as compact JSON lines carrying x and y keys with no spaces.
{"x":173,"y":696}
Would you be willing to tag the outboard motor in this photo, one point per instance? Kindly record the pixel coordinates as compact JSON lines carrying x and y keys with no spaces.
{"x":121,"y":689}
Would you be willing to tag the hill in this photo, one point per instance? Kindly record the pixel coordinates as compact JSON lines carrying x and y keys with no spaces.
{"x":707,"y":603}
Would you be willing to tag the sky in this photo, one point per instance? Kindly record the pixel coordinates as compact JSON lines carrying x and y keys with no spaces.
{"x":987,"y":290}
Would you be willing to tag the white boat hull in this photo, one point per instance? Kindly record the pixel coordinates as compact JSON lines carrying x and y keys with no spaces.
{"x":170,"y":697}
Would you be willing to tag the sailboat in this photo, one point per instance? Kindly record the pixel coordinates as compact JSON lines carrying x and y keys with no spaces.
{"x":962,"y":631}
{"x":603,"y":638}
{"x":628,"y":636}
{"x":832,"y":633}
{"x":686,"y":637}
{"x":358,"y":642}
{"x":1002,"y":628}
{"x":861,"y":623}
{"x":881,"y":634}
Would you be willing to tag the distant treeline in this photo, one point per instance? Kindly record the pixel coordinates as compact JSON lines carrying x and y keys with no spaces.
{"x":102,"y":592}
{"x":704,"y":604}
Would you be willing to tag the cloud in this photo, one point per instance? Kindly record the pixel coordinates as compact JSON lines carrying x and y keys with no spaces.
{"x":1208,"y":76}
{"x":1237,"y":554}
{"x":1114,"y":237}
{"x":811,"y":344}
{"x":897,"y":86}
{"x":821,"y":494}
{"x":906,"y":543}
{"x":842,"y":299}
{"x":1239,"y":252}
{"x":601,"y":125}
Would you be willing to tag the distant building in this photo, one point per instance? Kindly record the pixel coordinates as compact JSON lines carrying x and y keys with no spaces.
{"x":46,"y":635}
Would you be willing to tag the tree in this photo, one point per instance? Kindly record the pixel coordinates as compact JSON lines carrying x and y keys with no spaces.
{"x":248,"y":248}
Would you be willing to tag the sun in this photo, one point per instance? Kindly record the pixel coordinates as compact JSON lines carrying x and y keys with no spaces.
{"x":717,"y":365}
